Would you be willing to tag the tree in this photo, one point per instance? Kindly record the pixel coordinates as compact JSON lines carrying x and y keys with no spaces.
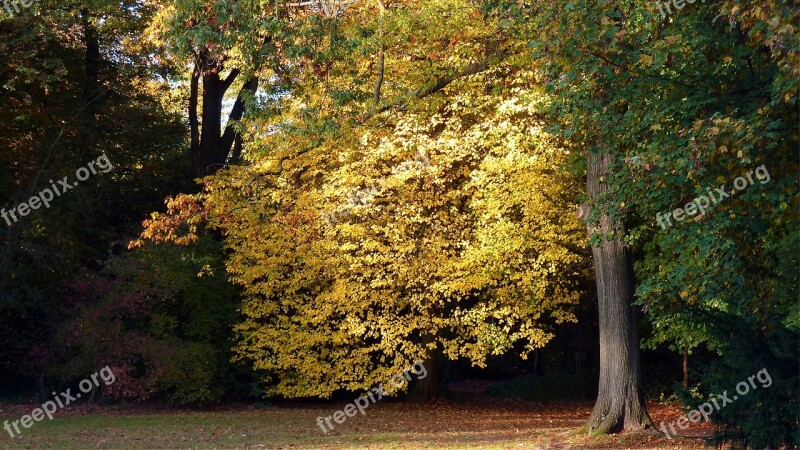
{"x":449,"y":234}
{"x":571,"y":40}
{"x":165,"y":332}
{"x":230,"y":48}
{"x":460,"y":260}
{"x":620,"y":399}
{"x":673,"y":107}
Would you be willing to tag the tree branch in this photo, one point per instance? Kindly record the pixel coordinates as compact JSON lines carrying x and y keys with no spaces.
{"x":439,"y":84}
{"x":193,"y":122}
{"x":376,"y":97}
{"x":230,"y":79}
{"x":236,"y":114}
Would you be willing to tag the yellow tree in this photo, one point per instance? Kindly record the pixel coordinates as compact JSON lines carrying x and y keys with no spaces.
{"x":403,"y":203}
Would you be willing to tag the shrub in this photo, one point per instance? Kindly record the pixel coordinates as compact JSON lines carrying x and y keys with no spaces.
{"x":165,"y":331}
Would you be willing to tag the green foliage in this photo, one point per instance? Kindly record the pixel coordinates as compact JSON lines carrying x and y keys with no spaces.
{"x":164,"y":332}
{"x":767,"y":416}
{"x":682,"y":105}
{"x":230,"y":30}
{"x":61,"y":110}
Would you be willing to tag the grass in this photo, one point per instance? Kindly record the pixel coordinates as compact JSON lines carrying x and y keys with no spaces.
{"x":387,"y":425}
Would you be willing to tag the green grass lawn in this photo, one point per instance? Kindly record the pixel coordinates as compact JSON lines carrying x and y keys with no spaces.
{"x":385,"y":426}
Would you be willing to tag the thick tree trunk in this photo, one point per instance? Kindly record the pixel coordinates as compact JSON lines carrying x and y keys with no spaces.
{"x":210,"y":147}
{"x":207,"y":161}
{"x":427,"y":389}
{"x":620,"y":398}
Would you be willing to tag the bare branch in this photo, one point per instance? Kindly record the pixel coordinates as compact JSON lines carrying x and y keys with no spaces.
{"x":439,"y":84}
{"x":376,"y":97}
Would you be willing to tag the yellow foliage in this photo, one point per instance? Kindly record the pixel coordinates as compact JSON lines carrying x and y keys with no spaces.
{"x":475,"y":254}
{"x":453,"y":226}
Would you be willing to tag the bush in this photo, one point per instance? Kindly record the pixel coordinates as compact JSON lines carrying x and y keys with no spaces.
{"x":767,"y":417}
{"x":165,"y":332}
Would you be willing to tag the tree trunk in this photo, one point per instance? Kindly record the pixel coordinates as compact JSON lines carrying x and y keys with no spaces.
{"x":194,"y":121}
{"x":210,"y":147}
{"x":231,"y":142}
{"x":686,"y":366}
{"x":207,"y":162}
{"x":620,"y":398}
{"x":92,"y":59}
{"x":427,"y":389}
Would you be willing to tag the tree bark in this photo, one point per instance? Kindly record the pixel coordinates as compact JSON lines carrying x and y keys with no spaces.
{"x":686,"y":366}
{"x":194,"y":122}
{"x":210,"y":147}
{"x":620,"y":401}
{"x":207,"y":161}
{"x":427,"y":389}
{"x":231,"y":140}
